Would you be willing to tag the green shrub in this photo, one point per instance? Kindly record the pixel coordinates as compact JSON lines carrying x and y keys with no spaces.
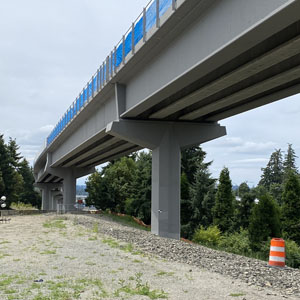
{"x":237,"y":243}
{"x":209,"y":237}
{"x":22,"y":206}
{"x":292,"y":251}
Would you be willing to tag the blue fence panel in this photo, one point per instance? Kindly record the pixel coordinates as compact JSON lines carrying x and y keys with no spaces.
{"x":71,"y":113}
{"x":104,"y":74}
{"x":163,"y":6}
{"x":74,"y":108}
{"x":81,"y":100}
{"x":151,"y":16}
{"x":90,"y":90}
{"x":128,"y":43}
{"x":119,"y":55}
{"x":84,"y":95}
{"x":69,"y":117}
{"x":95,"y":83}
{"x":77,"y":104}
{"x":138,"y":31}
{"x":109,"y":65}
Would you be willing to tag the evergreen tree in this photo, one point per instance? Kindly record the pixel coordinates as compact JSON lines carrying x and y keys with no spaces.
{"x":223,"y":209}
{"x":291,"y":207}
{"x":264,"y":222}
{"x":190,"y":159}
{"x":139,"y":202}
{"x":273,"y":172}
{"x":9,"y":177}
{"x":197,"y":209}
{"x":245,"y":207}
{"x":13,"y":149}
{"x":289,"y":163}
{"x":99,"y":192}
{"x":2,"y":186}
{"x":28,"y":194}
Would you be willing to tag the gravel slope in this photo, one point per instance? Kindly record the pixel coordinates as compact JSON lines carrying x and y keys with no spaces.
{"x":90,"y":257}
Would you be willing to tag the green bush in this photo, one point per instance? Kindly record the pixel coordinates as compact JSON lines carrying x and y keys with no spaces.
{"x":209,"y":237}
{"x":22,"y":206}
{"x":237,"y":243}
{"x":292,"y":251}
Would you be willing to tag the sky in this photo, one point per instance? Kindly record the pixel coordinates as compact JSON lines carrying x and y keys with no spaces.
{"x":50,"y":49}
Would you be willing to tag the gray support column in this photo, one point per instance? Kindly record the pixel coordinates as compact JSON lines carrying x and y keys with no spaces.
{"x":45,"y":198}
{"x":165,"y":206}
{"x":166,"y":139}
{"x":69,"y":191}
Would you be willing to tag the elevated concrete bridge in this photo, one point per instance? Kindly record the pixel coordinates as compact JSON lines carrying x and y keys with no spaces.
{"x":183,"y":66}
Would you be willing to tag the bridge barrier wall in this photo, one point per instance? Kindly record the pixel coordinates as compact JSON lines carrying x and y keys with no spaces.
{"x":143,"y":24}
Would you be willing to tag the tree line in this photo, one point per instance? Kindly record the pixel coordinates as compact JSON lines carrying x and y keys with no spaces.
{"x":211,"y":211}
{"x":16,"y":176}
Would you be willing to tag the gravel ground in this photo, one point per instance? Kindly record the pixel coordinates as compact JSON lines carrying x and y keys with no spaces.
{"x":91,"y":257}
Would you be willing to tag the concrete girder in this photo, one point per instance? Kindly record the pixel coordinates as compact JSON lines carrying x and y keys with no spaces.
{"x":166,"y":139}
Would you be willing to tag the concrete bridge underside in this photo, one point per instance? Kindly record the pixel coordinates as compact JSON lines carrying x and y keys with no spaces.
{"x":208,"y":60}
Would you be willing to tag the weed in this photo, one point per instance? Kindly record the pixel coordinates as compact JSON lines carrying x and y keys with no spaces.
{"x":55,"y":224}
{"x":163,"y":273}
{"x":237,"y":294}
{"x":96,"y":228}
{"x":139,"y":289}
{"x":46,"y":252}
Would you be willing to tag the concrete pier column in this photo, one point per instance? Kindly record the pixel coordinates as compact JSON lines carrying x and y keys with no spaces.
{"x":69,"y":191}
{"x":166,"y":140}
{"x":165,"y":206}
{"x":46,"y":197}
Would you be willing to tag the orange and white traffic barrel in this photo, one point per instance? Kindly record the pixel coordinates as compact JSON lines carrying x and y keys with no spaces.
{"x":277,"y":253}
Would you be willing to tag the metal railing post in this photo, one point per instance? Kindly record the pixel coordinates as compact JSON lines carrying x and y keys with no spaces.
{"x":132,"y":35}
{"x":144,"y":24}
{"x":93,"y":86}
{"x":98,"y":79}
{"x":123,"y":50}
{"x":111,"y":64}
{"x":115,"y":60}
{"x":157,"y":14}
{"x":107,"y":69}
{"x":174,"y":4}
{"x":87,"y":92}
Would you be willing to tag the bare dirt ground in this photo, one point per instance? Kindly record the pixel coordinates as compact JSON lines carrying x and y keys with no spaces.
{"x":50,"y":257}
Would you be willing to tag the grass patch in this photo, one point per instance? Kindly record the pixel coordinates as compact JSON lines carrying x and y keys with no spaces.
{"x":48,"y":252}
{"x":125,"y":220}
{"x":237,"y":294}
{"x":111,"y":242}
{"x":163,"y":273}
{"x":55,"y":224}
{"x":140,"y":288}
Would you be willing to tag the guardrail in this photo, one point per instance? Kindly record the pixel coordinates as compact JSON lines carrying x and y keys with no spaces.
{"x":149,"y":18}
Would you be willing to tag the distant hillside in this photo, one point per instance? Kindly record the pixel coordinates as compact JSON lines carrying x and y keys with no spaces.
{"x":80,"y":190}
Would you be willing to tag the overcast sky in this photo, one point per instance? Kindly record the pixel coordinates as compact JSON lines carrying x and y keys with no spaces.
{"x":50,"y":49}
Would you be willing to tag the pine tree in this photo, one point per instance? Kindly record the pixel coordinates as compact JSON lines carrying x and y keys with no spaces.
{"x":190,"y":159}
{"x":289,"y":163}
{"x":264,"y":222}
{"x":2,"y":186}
{"x":28,"y":194}
{"x":223,"y":209}
{"x":9,"y":176}
{"x":139,"y":203}
{"x":291,"y":207}
{"x":273,"y":172}
{"x":245,"y":207}
{"x":198,"y":207}
{"x":13,"y":149}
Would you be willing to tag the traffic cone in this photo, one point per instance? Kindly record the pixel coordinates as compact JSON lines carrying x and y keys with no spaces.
{"x":277,"y":253}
